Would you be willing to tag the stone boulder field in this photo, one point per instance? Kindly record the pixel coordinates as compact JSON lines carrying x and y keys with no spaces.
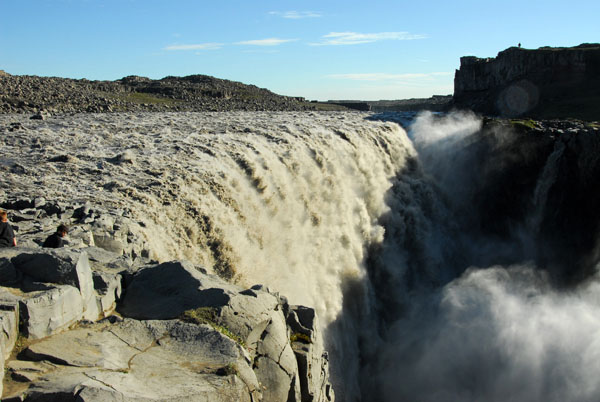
{"x":49,"y":95}
{"x":102,"y":319}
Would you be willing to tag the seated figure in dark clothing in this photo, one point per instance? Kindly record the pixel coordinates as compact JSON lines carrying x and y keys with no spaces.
{"x":55,"y":240}
{"x":7,"y":236}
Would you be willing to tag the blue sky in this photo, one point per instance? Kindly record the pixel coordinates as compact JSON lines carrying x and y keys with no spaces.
{"x":326,"y":49}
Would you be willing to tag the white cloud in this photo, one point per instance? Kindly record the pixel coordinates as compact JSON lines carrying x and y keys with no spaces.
{"x":199,"y":46}
{"x":266,"y":42}
{"x":355,"y":38}
{"x":260,"y":51}
{"x":296,"y":15}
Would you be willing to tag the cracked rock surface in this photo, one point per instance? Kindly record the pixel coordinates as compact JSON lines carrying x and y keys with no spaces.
{"x":136,"y":360}
{"x":178,"y":334}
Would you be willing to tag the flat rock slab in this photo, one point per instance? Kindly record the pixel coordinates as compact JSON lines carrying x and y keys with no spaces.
{"x":136,"y":361}
{"x":84,"y":347}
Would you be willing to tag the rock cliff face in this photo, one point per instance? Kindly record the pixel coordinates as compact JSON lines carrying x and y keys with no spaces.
{"x":535,"y":185}
{"x":181,"y":335}
{"x":545,"y":82}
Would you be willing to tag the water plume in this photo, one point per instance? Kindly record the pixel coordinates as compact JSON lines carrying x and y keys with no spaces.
{"x":479,"y":309}
{"x":496,"y":334}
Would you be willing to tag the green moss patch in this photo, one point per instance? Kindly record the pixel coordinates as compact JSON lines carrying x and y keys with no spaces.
{"x":208,"y":315}
{"x":531,"y":124}
{"x":298,"y":337}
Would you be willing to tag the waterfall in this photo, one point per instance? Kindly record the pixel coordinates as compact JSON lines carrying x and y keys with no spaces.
{"x":420,"y":252}
{"x":466,"y":328}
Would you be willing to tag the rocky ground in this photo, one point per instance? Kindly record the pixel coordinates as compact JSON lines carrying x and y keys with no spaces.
{"x":33,"y":94}
{"x":87,"y":325}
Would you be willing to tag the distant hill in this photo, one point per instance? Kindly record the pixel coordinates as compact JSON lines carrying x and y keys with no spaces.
{"x":541,"y":83}
{"x":133,"y":93}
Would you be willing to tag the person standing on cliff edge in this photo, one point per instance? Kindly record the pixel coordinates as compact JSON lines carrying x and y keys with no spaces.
{"x":7,"y":236}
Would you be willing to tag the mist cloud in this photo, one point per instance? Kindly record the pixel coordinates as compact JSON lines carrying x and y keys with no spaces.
{"x":497,"y":334}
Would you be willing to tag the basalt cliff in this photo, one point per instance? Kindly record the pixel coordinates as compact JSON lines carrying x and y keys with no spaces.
{"x":541,"y":83}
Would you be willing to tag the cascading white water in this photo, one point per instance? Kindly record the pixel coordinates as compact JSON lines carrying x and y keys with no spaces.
{"x":289,"y":200}
{"x":346,"y":215}
{"x":292,"y":202}
{"x":494,"y":333}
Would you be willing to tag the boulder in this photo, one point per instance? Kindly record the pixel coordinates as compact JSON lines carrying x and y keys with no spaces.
{"x":8,"y":334}
{"x":62,"y":266}
{"x":46,"y":312}
{"x":108,"y":290}
{"x":247,"y":309}
{"x":254,"y":316}
{"x":165,"y":291}
{"x":42,"y":115}
{"x":107,"y":261}
{"x":8,"y":273}
{"x":9,"y":326}
{"x":273,"y":359}
{"x":313,"y":360}
{"x":108,"y":242}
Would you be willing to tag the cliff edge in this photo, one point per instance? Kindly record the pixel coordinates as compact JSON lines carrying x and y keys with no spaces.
{"x":542,"y":83}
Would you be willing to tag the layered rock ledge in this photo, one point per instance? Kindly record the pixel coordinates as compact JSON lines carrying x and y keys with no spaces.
{"x":82,"y":324}
{"x":541,"y":83}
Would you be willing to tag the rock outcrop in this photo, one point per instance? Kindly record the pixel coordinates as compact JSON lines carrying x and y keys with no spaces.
{"x":97,"y":321}
{"x":541,"y":83}
{"x":176,"y":334}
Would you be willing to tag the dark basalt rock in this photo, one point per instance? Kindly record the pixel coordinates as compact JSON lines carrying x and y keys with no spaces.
{"x":539,"y":182}
{"x":541,"y":83}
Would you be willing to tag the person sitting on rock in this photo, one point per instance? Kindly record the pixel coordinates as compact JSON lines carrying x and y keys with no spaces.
{"x":55,"y":240}
{"x":7,"y":236}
